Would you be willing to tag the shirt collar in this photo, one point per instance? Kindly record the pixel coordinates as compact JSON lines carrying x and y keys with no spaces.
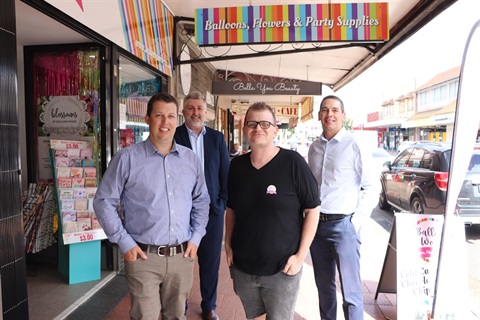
{"x":150,"y":148}
{"x":339,"y":136}
{"x":190,"y":131}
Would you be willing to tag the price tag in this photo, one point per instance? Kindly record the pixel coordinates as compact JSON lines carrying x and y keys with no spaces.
{"x":72,"y":145}
{"x":69,"y":144}
{"x":91,"y":235}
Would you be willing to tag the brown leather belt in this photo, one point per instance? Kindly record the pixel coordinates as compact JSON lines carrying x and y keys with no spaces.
{"x":163,"y":251}
{"x":332,"y":216}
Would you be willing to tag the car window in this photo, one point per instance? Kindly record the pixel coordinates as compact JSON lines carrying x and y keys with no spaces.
{"x":402,"y":159}
{"x":415,"y":159}
{"x":447,"y":155}
{"x":427,"y":161}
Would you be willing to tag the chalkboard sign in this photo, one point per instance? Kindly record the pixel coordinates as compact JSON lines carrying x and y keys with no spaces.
{"x":388,"y":279}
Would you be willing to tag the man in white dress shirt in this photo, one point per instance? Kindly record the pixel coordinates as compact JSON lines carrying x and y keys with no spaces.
{"x":349,"y":191}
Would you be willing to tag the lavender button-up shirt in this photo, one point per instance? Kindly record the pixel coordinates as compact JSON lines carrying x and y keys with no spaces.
{"x":164,"y":199}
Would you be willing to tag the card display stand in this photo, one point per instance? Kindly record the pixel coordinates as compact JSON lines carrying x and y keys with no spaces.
{"x":75,"y":180}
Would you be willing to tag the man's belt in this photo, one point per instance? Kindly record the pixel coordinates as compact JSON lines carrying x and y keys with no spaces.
{"x":163,"y":251}
{"x":332,"y":216}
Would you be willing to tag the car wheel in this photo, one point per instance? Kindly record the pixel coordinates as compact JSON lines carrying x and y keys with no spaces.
{"x":382,"y":201}
{"x":416,"y":205}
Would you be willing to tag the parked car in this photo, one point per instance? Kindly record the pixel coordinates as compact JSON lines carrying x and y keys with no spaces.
{"x":407,"y":144}
{"x":380,"y":157}
{"x":417,"y":182}
{"x":404,"y":145}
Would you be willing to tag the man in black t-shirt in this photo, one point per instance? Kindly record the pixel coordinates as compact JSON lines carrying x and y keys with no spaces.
{"x":272,"y":214}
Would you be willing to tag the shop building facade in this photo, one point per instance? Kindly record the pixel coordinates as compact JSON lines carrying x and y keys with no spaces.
{"x":46,"y":54}
{"x":46,"y":57}
{"x":427,"y":114}
{"x":115,"y":73}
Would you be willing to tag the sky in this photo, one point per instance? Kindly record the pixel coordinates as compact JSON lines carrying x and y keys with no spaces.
{"x":437,"y":47}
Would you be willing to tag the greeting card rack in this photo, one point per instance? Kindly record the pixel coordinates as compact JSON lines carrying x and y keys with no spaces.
{"x":75,"y":180}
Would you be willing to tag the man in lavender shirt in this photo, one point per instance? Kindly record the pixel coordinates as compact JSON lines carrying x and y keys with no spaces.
{"x":163,"y":197}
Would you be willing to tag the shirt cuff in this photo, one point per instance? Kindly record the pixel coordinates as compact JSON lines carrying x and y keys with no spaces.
{"x":195,"y":239}
{"x":127,"y":244}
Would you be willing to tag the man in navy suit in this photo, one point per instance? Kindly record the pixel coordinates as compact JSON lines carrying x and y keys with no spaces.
{"x":211,"y":148}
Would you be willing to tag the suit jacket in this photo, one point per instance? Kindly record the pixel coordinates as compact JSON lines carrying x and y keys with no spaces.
{"x":217,"y":163}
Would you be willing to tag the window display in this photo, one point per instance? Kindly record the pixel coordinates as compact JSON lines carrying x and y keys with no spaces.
{"x":62,"y":100}
{"x":137,"y":85}
{"x":76,"y":184}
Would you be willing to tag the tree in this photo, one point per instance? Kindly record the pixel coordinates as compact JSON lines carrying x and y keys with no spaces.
{"x":348,"y":123}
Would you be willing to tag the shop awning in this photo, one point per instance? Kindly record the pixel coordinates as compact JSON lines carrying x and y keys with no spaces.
{"x":450,"y":108}
{"x":334,"y":63}
{"x":446,"y":115}
{"x":422,"y":119}
{"x":307,"y":109}
{"x":388,"y":123}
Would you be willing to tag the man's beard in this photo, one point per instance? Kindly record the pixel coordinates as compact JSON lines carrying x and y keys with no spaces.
{"x":197,"y":122}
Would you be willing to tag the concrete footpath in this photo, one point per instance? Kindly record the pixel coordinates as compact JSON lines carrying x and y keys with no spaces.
{"x":373,"y":249}
{"x":104,"y":304}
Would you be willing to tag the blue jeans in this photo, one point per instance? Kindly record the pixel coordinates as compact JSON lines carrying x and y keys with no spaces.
{"x":274,"y":295}
{"x":337,"y":246}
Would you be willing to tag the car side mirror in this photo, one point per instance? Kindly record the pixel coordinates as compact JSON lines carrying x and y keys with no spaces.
{"x":388,"y":164}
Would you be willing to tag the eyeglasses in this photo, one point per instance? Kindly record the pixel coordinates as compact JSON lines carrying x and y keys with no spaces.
{"x":263,"y":124}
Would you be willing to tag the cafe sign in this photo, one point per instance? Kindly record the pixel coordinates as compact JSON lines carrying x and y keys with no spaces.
{"x":287,"y":111}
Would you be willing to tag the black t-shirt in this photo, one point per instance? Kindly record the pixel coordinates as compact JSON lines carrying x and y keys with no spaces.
{"x":268,"y":205}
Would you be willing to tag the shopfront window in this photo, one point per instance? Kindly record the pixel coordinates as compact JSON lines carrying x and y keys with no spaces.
{"x":136,"y":86}
{"x":63,"y":99}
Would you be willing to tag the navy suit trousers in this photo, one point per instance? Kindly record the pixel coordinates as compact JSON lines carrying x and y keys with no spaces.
{"x":209,"y":254}
{"x":336,"y":246}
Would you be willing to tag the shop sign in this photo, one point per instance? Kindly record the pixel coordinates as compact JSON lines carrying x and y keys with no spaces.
{"x":64,"y":114}
{"x":447,"y":118}
{"x":418,"y":245}
{"x":288,"y":111}
{"x":292,"y":23}
{"x":66,"y":117}
{"x":267,"y":88}
{"x":396,"y":129}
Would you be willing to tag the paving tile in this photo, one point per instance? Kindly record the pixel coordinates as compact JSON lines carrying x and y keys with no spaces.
{"x":390,"y":312}
{"x":229,"y":306}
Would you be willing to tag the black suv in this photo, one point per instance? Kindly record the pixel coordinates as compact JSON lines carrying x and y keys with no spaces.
{"x":417,"y":181}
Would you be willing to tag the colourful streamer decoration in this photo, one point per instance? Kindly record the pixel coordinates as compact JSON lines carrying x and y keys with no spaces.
{"x":148,"y":31}
{"x":426,"y":220}
{"x":292,"y":23}
{"x":68,"y":73}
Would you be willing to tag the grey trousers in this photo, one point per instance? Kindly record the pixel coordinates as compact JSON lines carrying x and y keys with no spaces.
{"x":273,"y":295}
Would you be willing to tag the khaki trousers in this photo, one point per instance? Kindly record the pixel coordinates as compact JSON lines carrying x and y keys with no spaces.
{"x":159,"y":284}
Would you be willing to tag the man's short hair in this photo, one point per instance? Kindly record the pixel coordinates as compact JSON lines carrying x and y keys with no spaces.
{"x":260,"y":106}
{"x":164,"y":97}
{"x":194,"y":95}
{"x":335,"y":98}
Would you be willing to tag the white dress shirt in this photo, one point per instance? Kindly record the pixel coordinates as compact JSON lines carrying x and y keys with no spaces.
{"x":197,"y":144}
{"x":346,"y":178}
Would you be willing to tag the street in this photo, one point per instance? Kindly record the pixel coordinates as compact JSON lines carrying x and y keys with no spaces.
{"x":472,"y":234}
